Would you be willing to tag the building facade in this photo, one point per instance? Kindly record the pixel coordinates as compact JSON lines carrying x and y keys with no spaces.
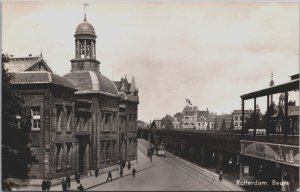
{"x":237,"y":118}
{"x":195,"y":119}
{"x":81,"y":121}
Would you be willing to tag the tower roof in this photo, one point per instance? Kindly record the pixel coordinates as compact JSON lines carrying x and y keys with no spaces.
{"x":132,"y":85}
{"x":85,"y":28}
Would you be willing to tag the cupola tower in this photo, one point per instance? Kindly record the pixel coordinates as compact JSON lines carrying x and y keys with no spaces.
{"x":85,"y":48}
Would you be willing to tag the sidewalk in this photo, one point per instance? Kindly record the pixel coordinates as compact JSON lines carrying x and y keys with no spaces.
{"x":91,"y":181}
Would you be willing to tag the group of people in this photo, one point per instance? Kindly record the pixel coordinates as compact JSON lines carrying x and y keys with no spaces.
{"x":66,"y":183}
{"x":46,"y":185}
{"x":122,"y":165}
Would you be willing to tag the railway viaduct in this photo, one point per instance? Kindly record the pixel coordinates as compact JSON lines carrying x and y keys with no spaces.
{"x":209,"y":149}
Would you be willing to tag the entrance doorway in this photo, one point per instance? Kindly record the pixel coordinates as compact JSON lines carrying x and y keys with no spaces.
{"x":82,"y":147}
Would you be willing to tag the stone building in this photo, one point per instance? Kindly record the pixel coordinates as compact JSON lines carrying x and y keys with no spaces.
{"x":237,"y":118}
{"x":277,"y":119}
{"x":194,"y":118}
{"x":80,"y":121}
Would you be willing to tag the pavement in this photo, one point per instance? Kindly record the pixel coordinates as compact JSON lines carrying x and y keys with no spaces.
{"x":92,"y":181}
{"x":170,"y":173}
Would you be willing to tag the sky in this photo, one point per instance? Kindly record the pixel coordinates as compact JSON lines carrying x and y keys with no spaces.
{"x":210,"y":52}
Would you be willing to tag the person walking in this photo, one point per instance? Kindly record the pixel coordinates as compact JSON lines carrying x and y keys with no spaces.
{"x":220,"y":175}
{"x":68,"y":180}
{"x":121,"y":172}
{"x":133,"y":172}
{"x":77,"y":176}
{"x":109,"y":176}
{"x":123,"y":164}
{"x":64,"y":185}
{"x":80,"y":188}
{"x":129,"y":165}
{"x":48,"y":184}
{"x":96,"y":172}
{"x":44,"y":185}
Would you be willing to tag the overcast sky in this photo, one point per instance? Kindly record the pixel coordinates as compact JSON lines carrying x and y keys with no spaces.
{"x":208,"y":52}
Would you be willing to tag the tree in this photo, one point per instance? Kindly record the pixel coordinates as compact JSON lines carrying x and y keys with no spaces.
{"x":16,"y":153}
{"x":167,"y":122}
{"x":252,"y":122}
{"x":270,"y":111}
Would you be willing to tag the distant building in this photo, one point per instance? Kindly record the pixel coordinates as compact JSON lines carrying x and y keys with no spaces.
{"x":278,"y":117}
{"x":176,"y":123}
{"x":237,"y":118}
{"x":194,"y":119}
{"x":228,"y":122}
{"x":156,"y":125}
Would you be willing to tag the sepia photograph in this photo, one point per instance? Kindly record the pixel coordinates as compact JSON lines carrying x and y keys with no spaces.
{"x":150,"y":95}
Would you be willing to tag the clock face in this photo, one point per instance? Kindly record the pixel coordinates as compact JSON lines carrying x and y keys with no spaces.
{"x":81,"y":65}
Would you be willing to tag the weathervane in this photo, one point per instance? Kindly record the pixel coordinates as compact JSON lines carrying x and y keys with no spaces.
{"x":84,"y":6}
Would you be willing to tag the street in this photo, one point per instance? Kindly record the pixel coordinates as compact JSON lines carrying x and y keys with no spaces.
{"x":168,"y":174}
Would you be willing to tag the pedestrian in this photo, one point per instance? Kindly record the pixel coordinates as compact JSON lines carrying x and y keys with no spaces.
{"x":96,"y":172}
{"x":123,"y":164}
{"x":77,"y":176}
{"x":133,"y":172}
{"x":80,"y":188}
{"x":121,"y":172}
{"x":68,"y":180}
{"x":64,"y":185}
{"x":44,"y":185}
{"x":164,"y":155}
{"x":48,"y":184}
{"x":220,"y":175}
{"x":129,"y":165}
{"x":109,"y":176}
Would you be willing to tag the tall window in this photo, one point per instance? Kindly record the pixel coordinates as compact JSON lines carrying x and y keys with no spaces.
{"x":114,"y":121}
{"x":69,"y":145}
{"x":58,"y":156}
{"x":106,"y":118}
{"x":77,"y":122}
{"x":107,"y":152}
{"x":69,"y":111}
{"x":86,"y":123}
{"x":59,"y":117}
{"x":36,"y":119}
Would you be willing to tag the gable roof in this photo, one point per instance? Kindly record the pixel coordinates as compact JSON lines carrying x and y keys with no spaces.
{"x":41,"y":77}
{"x":21,"y":64}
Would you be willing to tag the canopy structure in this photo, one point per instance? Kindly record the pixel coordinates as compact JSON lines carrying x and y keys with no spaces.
{"x":292,"y":85}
